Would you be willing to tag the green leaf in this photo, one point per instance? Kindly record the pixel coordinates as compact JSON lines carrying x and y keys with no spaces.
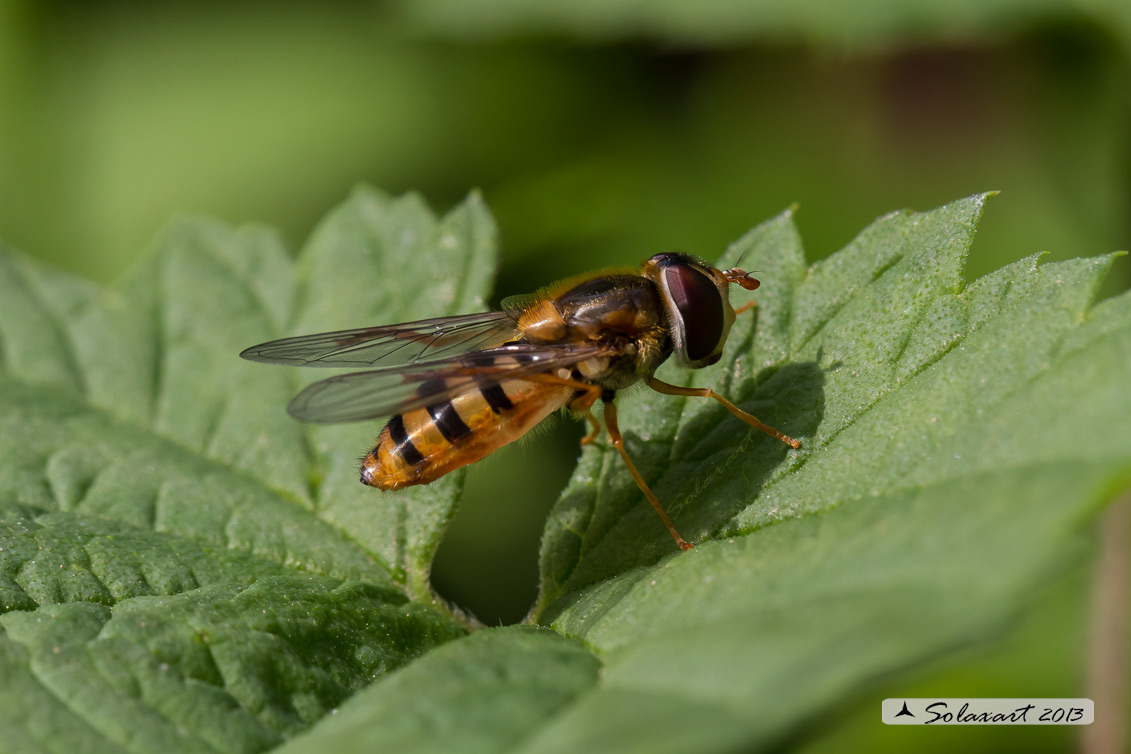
{"x":483,"y":693}
{"x":955,"y":439}
{"x":182,"y":566}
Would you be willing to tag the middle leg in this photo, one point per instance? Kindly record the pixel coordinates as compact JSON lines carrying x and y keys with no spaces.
{"x":618,"y":443}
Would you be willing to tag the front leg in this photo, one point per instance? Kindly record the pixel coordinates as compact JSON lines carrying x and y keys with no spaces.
{"x":705,"y":392}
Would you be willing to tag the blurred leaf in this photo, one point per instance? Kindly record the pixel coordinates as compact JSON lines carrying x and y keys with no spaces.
{"x":182,"y":566}
{"x":1054,"y":628}
{"x":121,"y":114}
{"x":722,"y":21}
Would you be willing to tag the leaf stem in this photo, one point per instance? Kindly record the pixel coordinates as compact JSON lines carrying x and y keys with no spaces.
{"x":1108,"y":668}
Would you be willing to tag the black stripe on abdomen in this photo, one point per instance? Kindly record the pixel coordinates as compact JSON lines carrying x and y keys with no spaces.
{"x":496,"y":398}
{"x":492,"y":392}
{"x":449,"y":422}
{"x":401,"y":444}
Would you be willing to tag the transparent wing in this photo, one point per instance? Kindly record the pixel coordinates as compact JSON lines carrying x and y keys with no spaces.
{"x":383,"y":392}
{"x":391,"y":345}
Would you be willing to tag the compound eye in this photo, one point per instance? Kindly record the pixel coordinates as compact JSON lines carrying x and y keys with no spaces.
{"x":700,"y":307}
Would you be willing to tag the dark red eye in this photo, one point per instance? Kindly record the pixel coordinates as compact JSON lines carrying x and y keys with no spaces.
{"x":700,"y":307}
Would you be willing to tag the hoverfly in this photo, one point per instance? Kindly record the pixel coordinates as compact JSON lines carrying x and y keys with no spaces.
{"x":459,"y":388}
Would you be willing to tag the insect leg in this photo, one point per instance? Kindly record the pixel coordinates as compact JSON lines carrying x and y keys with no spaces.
{"x":746,"y":307}
{"x":618,"y":443}
{"x":704,"y":392}
{"x":592,"y":436}
{"x":586,"y":395}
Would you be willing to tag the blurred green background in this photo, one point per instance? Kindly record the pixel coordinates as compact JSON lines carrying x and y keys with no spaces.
{"x":600,"y":132}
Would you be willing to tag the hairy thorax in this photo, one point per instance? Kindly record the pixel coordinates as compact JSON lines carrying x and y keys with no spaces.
{"x":621,"y":313}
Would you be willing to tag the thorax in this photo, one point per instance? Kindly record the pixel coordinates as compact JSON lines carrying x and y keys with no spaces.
{"x":621,"y":312}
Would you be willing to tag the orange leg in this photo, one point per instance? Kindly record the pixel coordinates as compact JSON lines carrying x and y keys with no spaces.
{"x":581,"y":403}
{"x":586,"y":402}
{"x":746,"y":307}
{"x":590,"y":438}
{"x":618,"y":443}
{"x":703,"y":392}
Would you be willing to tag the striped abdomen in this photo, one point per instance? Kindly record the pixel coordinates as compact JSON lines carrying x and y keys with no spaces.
{"x":420,"y":446}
